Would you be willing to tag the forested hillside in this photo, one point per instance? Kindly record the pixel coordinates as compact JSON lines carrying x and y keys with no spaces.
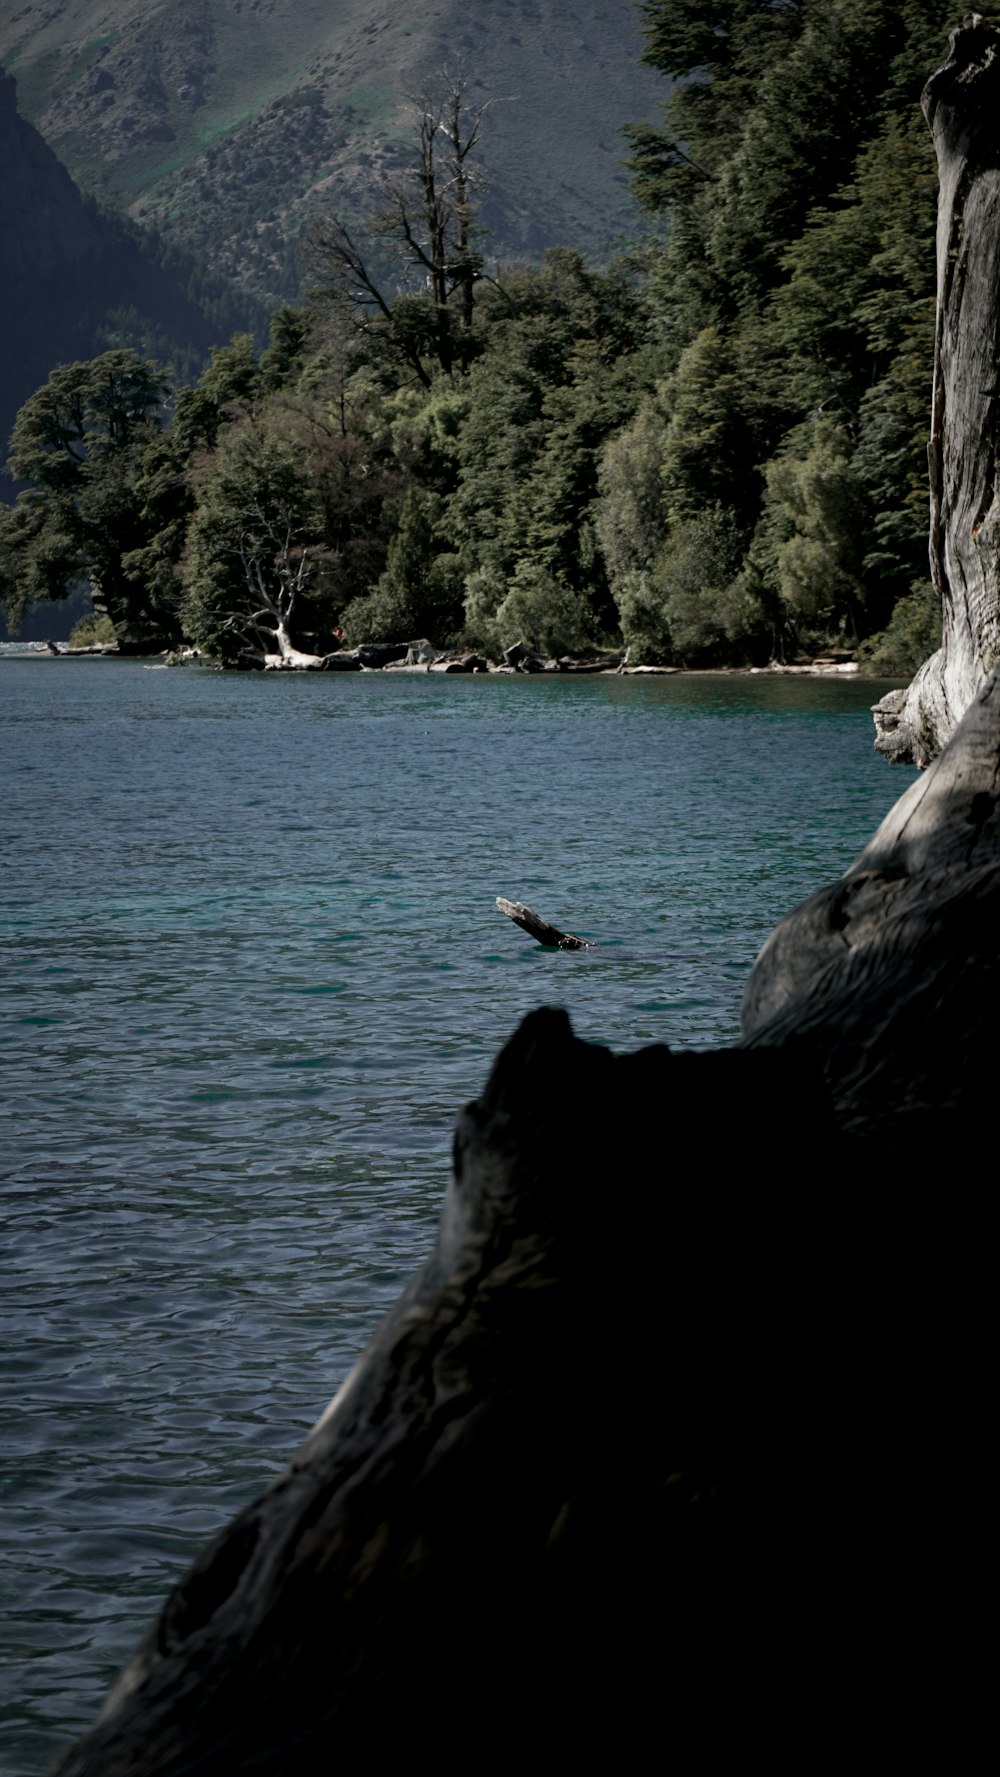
{"x":793,"y":305}
{"x":711,"y":450}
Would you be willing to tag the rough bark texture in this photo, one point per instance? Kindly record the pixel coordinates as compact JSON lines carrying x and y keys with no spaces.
{"x":962,"y":106}
{"x":587,"y":1484}
{"x":890,"y":978}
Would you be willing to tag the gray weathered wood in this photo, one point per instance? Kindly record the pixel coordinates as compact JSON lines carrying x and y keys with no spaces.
{"x":530,"y":1459}
{"x":891,"y":976}
{"x":539,"y":928}
{"x":962,"y":105}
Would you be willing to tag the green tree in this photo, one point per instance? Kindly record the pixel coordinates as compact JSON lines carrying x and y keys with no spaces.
{"x":420,"y":591}
{"x":818,"y":520}
{"x":631,"y":515}
{"x":540,"y":610}
{"x":563,"y":366}
{"x":794,"y":285}
{"x":288,"y":346}
{"x":412,"y":274}
{"x":912,"y":634}
{"x":690,"y":604}
{"x":707,"y":453}
{"x":85,"y":442}
{"x":231,"y":385}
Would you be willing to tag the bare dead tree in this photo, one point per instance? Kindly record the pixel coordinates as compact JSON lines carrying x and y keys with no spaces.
{"x":343,"y":267}
{"x":277,"y":569}
{"x":425,"y":223}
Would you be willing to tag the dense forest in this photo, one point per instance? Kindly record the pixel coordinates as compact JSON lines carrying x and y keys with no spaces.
{"x":711,"y":451}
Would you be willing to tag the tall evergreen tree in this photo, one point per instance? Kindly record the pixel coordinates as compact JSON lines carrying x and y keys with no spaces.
{"x":798,"y":183}
{"x":87,"y":444}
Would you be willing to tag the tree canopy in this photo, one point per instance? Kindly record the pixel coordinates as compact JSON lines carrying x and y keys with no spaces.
{"x":709,"y":451}
{"x":88,"y":442}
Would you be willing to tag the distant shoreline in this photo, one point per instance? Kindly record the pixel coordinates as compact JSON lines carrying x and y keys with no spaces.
{"x":849,"y":670}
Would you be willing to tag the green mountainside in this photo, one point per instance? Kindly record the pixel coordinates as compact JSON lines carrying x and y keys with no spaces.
{"x":227,"y":123}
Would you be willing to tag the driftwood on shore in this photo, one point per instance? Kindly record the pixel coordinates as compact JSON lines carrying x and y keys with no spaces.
{"x":673,"y":1449}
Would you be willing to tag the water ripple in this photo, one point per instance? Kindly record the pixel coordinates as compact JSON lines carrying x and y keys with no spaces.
{"x":251,"y":969}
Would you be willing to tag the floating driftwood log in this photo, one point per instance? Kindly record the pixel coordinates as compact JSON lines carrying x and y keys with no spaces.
{"x":671,"y":1449}
{"x":539,"y":928}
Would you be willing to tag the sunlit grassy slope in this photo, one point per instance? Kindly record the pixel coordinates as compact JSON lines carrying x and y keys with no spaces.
{"x":227,"y":122}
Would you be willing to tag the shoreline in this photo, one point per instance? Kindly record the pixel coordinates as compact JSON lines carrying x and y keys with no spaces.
{"x":454,"y":666}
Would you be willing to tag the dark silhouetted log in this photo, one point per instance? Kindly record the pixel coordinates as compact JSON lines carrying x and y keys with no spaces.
{"x":962,"y":106}
{"x":554,"y":1500}
{"x":539,"y":928}
{"x":615,"y":1466}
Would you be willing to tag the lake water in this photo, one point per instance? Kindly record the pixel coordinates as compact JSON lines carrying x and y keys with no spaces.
{"x":251,"y":967}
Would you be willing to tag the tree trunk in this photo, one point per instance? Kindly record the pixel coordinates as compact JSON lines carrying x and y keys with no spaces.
{"x":289,"y":657}
{"x":586,"y":1485}
{"x":962,"y":105}
{"x":890,"y":977}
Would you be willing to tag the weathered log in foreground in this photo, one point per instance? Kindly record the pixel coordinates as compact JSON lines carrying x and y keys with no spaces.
{"x":510,"y":1517}
{"x":571,"y":1496}
{"x":648,"y":1445}
{"x":962,"y":105}
{"x":539,"y":928}
{"x":890,"y":978}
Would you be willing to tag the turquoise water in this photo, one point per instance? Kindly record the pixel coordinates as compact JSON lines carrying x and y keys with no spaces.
{"x":251,"y":967}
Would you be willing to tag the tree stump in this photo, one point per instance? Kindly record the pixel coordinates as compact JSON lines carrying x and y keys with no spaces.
{"x":566,"y":1492}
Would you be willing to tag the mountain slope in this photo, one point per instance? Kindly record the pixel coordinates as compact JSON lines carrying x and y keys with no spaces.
{"x":228,"y":122}
{"x":76,"y":282}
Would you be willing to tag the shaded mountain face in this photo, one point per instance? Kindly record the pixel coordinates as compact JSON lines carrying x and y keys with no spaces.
{"x":47,"y":238}
{"x":227,"y":123}
{"x":76,"y":282}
